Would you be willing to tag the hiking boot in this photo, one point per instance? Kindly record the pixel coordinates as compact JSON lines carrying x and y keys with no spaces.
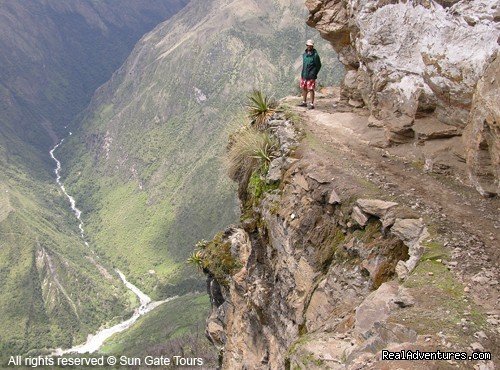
{"x":303,"y":104}
{"x":311,"y":106}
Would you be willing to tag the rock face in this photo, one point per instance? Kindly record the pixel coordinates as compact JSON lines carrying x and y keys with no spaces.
{"x":315,"y":285}
{"x":326,"y":270}
{"x":416,"y":60}
{"x":482,"y":138}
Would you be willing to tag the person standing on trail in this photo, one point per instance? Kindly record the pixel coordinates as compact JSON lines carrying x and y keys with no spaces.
{"x":311,"y":64}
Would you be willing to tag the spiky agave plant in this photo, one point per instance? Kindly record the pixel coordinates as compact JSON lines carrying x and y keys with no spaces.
{"x":260,"y":108}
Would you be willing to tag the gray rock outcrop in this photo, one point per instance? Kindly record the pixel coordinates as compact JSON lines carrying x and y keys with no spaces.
{"x":315,"y":284}
{"x":415,"y":66}
{"x":482,"y":137}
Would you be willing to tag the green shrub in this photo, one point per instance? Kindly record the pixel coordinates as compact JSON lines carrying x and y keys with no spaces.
{"x":215,"y":257}
{"x":257,"y":187}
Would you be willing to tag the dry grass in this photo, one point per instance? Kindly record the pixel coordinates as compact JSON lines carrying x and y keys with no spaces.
{"x":248,"y":150}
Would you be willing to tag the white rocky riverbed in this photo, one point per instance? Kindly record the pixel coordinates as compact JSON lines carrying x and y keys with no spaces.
{"x":95,"y":341}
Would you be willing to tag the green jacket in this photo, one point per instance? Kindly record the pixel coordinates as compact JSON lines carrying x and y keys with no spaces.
{"x":311,"y":64}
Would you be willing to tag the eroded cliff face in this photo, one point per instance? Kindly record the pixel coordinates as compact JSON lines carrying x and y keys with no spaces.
{"x":416,"y":65}
{"x":482,"y":135}
{"x":327,"y":269}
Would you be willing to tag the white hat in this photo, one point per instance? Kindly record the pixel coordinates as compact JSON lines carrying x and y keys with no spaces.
{"x":310,"y":42}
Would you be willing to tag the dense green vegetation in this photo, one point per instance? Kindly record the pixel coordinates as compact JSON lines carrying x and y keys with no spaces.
{"x":52,"y":294}
{"x":215,"y":256}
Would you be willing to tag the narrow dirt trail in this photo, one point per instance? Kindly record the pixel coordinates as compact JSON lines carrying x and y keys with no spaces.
{"x":467,"y":224}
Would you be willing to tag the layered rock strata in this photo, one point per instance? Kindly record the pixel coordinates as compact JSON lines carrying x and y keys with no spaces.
{"x":482,"y":137}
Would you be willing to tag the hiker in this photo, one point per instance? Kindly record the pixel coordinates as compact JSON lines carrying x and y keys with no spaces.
{"x":311,"y":65}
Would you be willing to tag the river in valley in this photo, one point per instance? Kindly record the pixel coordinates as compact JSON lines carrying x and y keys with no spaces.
{"x":95,"y":341}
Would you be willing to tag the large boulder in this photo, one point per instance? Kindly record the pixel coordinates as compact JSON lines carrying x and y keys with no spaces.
{"x":375,"y":207}
{"x":413,"y":233}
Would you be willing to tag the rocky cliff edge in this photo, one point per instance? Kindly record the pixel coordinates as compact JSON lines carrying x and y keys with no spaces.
{"x":345,"y":249}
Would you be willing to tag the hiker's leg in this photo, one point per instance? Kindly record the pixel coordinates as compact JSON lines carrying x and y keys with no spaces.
{"x":312,"y":96}
{"x":304,"y":95}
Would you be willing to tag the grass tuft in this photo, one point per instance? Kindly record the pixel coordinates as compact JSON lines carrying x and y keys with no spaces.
{"x":250,"y":149}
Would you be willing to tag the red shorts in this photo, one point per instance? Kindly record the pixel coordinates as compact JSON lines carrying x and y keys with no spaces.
{"x":307,"y":84}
